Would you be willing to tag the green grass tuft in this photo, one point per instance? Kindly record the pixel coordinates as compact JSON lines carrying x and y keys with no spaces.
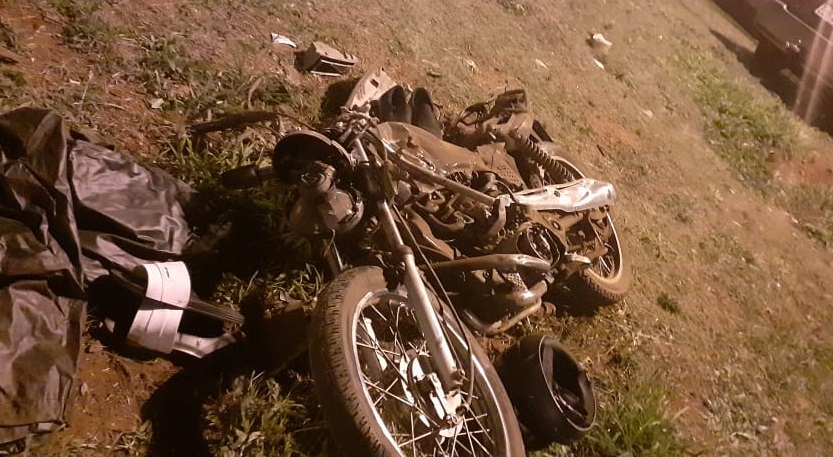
{"x":192,"y":86}
{"x":254,"y":418}
{"x":812,"y":206}
{"x":668,"y":303}
{"x":632,"y":422}
{"x":84,"y":31}
{"x":743,"y":129}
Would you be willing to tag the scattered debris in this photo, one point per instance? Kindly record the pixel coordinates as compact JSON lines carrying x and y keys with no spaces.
{"x":470,"y":64}
{"x":371,"y":86}
{"x":9,"y":56}
{"x":540,"y":63}
{"x":647,"y":112}
{"x":240,"y":119}
{"x":599,"y":44}
{"x":281,"y":39}
{"x":323,"y":59}
{"x":434,"y":74}
{"x":599,"y":64}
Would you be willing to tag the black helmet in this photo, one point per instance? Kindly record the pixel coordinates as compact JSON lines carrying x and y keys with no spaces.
{"x":551,"y":392}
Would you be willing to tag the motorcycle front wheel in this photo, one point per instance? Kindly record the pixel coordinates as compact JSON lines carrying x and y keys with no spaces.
{"x":376,"y":386}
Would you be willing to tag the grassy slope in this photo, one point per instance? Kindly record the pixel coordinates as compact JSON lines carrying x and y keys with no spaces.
{"x":723,"y":345}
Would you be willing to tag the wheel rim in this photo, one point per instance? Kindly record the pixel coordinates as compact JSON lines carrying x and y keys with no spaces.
{"x":607,"y":267}
{"x":406,"y":398}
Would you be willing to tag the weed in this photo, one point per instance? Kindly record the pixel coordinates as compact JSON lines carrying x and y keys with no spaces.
{"x":11,"y":84}
{"x":668,"y":303}
{"x":85,"y":31}
{"x":632,"y":422}
{"x":514,"y":7}
{"x":269,"y":264}
{"x":812,"y":205}
{"x":725,"y":249}
{"x":253,"y":418}
{"x":79,"y":101}
{"x":743,"y":129}
{"x":679,"y":206}
{"x":8,"y":37}
{"x":662,"y":248}
{"x":192,"y":85}
{"x":135,"y":442}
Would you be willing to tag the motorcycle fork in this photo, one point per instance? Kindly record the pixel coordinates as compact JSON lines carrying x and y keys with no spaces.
{"x":442,"y":358}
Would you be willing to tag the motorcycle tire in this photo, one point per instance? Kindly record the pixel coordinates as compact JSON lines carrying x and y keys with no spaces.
{"x":606,"y":281}
{"x":371,"y":374}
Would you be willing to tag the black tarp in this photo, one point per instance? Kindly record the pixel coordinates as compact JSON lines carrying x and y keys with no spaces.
{"x":70,"y":211}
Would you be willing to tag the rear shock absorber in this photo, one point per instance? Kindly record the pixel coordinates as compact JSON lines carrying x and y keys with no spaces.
{"x":530,"y":149}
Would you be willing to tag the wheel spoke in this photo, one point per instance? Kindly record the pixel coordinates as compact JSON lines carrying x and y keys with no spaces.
{"x":392,"y":383}
{"x":480,"y":425}
{"x":389,"y":336}
{"x":418,"y":438}
{"x":388,"y":394}
{"x":472,"y":439}
{"x":377,"y":348}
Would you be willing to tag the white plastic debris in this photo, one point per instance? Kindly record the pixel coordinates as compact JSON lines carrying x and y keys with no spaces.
{"x":540,"y":63}
{"x":599,"y":64}
{"x":281,"y":39}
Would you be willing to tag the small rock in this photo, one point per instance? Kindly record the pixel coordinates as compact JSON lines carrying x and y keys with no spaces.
{"x":470,"y":64}
{"x":84,"y":389}
{"x":434,"y":74}
{"x":599,"y":44}
{"x":157,"y":103}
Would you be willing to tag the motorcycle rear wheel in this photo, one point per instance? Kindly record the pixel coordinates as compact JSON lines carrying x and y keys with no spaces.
{"x":373,"y":377}
{"x":608,"y":279}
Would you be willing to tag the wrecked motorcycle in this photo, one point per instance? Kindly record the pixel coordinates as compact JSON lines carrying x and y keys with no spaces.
{"x":428,"y":241}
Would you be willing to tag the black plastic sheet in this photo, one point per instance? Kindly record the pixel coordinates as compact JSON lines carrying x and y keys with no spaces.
{"x":70,"y":211}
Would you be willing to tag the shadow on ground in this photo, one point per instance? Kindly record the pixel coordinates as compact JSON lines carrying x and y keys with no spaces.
{"x":176,"y":410}
{"x":783,"y":83}
{"x":742,"y":11}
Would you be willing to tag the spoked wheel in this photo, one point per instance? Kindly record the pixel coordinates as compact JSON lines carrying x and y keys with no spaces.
{"x":608,"y":278}
{"x":377,"y":387}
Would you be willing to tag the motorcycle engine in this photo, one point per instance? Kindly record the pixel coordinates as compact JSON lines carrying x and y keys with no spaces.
{"x":477,"y":228}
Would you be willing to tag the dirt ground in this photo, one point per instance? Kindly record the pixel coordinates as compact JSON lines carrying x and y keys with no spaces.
{"x":744,"y":353}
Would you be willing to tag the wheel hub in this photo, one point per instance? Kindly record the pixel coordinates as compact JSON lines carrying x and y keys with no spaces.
{"x":438,"y":408}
